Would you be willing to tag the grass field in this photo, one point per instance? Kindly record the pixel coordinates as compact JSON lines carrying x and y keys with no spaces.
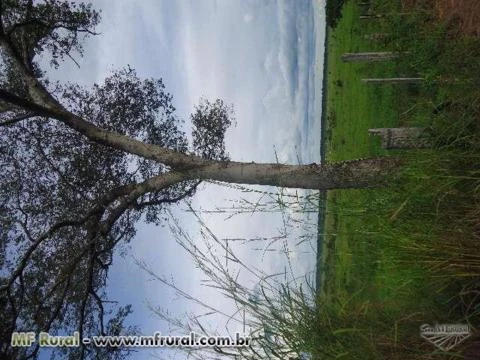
{"x":351,"y":250}
{"x":400,"y":256}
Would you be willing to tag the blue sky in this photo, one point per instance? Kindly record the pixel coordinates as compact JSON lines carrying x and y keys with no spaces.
{"x":264,"y":57}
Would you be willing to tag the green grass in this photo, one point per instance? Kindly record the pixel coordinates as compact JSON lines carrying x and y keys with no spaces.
{"x":397,"y":257}
{"x":352,"y":109}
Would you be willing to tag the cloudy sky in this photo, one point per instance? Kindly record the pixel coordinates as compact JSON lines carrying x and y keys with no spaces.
{"x":264,"y":57}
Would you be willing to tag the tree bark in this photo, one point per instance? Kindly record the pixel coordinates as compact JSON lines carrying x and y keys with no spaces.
{"x":349,"y":174}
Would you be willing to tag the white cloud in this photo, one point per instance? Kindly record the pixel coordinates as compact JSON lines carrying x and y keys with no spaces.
{"x":248,"y":18}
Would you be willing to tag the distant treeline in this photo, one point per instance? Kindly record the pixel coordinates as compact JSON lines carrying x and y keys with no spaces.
{"x":334,"y":11}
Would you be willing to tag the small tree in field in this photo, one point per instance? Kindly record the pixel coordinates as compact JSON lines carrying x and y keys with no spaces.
{"x":81,"y":166}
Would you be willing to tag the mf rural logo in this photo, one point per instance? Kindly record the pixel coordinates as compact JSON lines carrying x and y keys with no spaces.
{"x":445,"y":336}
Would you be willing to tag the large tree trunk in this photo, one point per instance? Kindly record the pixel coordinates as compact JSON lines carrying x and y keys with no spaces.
{"x":349,"y":174}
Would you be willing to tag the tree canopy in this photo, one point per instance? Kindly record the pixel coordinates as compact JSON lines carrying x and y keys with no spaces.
{"x":66,"y":201}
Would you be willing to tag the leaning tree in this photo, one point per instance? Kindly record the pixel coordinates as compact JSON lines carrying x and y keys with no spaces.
{"x":81,"y":166}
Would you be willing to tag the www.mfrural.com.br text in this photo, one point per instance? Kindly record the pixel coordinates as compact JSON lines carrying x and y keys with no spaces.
{"x":24,"y":339}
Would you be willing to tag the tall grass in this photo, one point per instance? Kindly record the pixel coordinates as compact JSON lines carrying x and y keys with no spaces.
{"x":411,"y":252}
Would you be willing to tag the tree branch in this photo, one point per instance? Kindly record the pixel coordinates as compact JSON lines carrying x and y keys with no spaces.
{"x":89,"y":275}
{"x":53,"y":109}
{"x":34,"y":246}
{"x":45,"y":104}
{"x":155,"y":183}
{"x":17,"y":119}
{"x":100,"y":310}
{"x":51,"y":26}
{"x":173,"y":200}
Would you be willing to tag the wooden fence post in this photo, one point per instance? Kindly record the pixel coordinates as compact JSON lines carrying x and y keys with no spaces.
{"x":402,"y":138}
{"x":370,"y":56}
{"x":376,"y":36}
{"x":402,"y":80}
{"x":379,"y":16}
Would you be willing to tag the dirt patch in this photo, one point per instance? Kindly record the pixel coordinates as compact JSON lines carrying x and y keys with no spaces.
{"x":463,"y":14}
